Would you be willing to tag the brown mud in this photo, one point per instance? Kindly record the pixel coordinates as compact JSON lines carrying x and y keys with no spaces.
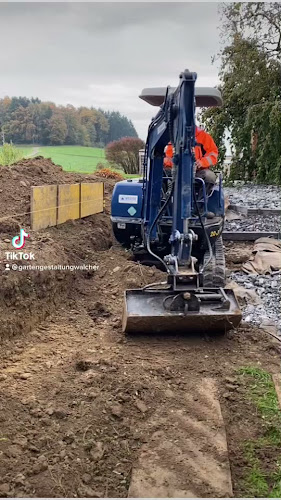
{"x":78,"y":398}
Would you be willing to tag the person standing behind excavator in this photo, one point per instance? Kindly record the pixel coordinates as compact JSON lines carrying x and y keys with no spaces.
{"x":206,"y":156}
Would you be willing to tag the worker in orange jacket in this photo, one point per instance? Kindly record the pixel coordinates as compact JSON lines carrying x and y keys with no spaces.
{"x":205,"y":152}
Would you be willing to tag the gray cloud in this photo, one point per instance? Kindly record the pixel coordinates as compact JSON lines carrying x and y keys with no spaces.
{"x":103,"y":54}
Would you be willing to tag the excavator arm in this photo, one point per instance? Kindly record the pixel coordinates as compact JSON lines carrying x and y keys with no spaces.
{"x":175,"y":122}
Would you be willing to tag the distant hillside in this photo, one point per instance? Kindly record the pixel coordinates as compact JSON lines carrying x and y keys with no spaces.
{"x":31,"y":121}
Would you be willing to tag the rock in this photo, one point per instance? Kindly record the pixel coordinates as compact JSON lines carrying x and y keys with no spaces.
{"x":87,"y":492}
{"x":93,"y":395}
{"x":250,"y":309}
{"x":231,"y":380}
{"x":169,"y":393}
{"x":231,"y":387}
{"x":141,"y":406}
{"x":14,"y":451}
{"x":7,"y":241}
{"x":22,"y":183}
{"x":24,"y":376}
{"x":36,"y":412}
{"x":133,"y":283}
{"x":19,"y":480}
{"x":28,"y":401}
{"x":83,"y":365}
{"x":21,"y":441}
{"x":69,"y":437}
{"x":97,"y":451}
{"x":249,"y":318}
{"x":249,"y":285}
{"x":116,"y":410}
{"x":63,"y":454}
{"x":33,"y":448}
{"x":124,"y":397}
{"x":3,"y":377}
{"x":86,"y":478}
{"x":268,"y":322}
{"x":226,"y":395}
{"x":4,"y":489}
{"x":116,"y":269}
{"x":40,"y":466}
{"x":60,"y":413}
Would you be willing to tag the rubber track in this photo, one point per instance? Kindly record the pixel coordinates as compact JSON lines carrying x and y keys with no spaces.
{"x":214,"y":272}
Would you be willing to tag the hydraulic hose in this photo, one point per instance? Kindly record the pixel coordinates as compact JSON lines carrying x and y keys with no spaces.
{"x":153,"y":224}
{"x":204,"y":230}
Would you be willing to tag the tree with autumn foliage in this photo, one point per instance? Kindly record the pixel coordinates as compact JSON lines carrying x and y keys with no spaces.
{"x":125,"y":154}
{"x":30,"y":121}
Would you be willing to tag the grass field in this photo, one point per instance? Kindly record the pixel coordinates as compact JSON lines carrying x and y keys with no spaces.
{"x":27,"y":150}
{"x":74,"y":158}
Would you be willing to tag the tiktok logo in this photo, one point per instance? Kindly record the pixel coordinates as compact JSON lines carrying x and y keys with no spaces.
{"x":19,"y":241}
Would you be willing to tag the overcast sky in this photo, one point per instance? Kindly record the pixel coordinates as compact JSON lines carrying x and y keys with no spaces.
{"x":103,"y":54}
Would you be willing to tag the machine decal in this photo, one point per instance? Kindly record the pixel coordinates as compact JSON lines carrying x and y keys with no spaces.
{"x":121,"y":225}
{"x":132,"y":211}
{"x":128,"y":198}
{"x":161,"y":128}
{"x":215,"y":233}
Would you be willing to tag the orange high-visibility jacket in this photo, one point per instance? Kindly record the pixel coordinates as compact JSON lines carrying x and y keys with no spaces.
{"x":205,"y":150}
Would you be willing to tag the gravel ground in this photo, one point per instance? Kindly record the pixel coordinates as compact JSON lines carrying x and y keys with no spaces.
{"x":267,"y":288}
{"x":254,"y":223}
{"x":253,"y":196}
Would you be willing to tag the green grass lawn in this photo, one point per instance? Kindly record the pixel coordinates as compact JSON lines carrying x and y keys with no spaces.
{"x":74,"y":158}
{"x":26,"y":150}
{"x":262,"y":475}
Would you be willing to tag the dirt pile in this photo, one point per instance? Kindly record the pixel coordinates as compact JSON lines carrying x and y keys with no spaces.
{"x":28,"y":296}
{"x":16,"y":182}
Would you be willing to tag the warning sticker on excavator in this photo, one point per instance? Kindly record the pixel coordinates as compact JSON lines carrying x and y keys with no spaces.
{"x":215,"y":233}
{"x":128,"y":198}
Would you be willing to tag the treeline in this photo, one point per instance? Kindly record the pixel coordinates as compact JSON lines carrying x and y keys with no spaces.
{"x":31,"y":121}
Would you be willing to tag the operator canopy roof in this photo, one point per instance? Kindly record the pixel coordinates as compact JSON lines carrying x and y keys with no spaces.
{"x":205,"y":96}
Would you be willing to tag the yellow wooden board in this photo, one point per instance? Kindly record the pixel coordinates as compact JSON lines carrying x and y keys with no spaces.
{"x":68,"y":202}
{"x":91,"y":198}
{"x":43,"y":206}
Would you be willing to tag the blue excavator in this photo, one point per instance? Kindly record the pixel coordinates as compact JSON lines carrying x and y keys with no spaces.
{"x":177,"y":220}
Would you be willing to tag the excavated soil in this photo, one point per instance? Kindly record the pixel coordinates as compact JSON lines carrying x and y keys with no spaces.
{"x":76,"y":393}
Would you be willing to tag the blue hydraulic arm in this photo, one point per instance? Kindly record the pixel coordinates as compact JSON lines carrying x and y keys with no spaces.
{"x":175,"y":122}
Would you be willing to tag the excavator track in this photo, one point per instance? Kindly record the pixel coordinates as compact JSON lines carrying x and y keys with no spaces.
{"x":214,"y":271}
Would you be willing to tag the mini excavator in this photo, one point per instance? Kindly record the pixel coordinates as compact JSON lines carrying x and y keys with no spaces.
{"x":168,"y":218}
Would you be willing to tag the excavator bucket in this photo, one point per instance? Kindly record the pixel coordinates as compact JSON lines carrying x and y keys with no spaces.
{"x":166,"y":311}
